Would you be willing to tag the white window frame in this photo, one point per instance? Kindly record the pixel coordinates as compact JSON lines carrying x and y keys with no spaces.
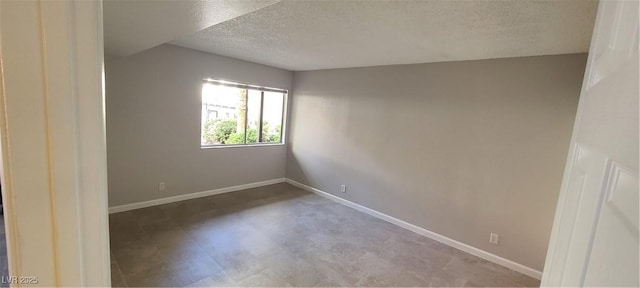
{"x":262,"y":89}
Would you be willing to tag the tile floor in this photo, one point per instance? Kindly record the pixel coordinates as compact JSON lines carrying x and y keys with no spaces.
{"x":280,"y":235}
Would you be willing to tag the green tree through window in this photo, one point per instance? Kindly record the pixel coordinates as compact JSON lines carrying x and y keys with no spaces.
{"x":232,"y":114}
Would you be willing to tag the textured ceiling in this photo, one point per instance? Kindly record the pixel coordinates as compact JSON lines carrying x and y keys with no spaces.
{"x":131,"y":26}
{"x":308,"y":35}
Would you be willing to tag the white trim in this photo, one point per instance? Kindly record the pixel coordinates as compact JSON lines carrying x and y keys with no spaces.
{"x":219,"y":146}
{"x":424,"y":232}
{"x":138,"y":205}
{"x":240,"y":85}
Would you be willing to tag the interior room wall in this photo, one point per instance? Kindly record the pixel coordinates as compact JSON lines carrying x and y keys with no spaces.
{"x":153,"y":125}
{"x":462,"y":149}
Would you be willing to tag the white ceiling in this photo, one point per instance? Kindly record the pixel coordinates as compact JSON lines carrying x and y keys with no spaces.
{"x":131,"y":26}
{"x":308,"y":35}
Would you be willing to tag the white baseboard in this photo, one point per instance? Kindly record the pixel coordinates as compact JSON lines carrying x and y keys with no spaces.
{"x":435,"y":236}
{"x":138,"y":205}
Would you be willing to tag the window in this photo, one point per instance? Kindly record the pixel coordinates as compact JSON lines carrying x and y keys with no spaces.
{"x":239,"y":114}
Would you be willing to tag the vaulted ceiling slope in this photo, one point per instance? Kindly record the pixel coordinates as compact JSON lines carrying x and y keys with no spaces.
{"x":131,"y":26}
{"x":309,"y":35}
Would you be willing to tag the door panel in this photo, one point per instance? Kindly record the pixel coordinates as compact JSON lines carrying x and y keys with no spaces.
{"x":617,"y":227}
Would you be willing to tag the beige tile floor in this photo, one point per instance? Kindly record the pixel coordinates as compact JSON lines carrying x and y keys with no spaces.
{"x":280,"y":235}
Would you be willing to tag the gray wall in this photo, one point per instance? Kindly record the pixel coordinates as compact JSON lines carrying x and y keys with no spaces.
{"x":153,"y":125}
{"x":460,"y":148}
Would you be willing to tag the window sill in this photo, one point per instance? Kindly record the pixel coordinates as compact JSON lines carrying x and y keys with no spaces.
{"x":241,"y":145}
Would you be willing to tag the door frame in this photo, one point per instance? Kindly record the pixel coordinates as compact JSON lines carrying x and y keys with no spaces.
{"x":53,"y":142}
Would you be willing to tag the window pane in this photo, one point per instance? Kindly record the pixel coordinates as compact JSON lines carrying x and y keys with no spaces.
{"x":223,"y":115}
{"x":253,"y":116}
{"x":272,"y":117}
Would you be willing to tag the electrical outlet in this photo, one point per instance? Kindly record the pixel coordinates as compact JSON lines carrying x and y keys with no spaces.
{"x":343,"y":188}
{"x":161,"y":186}
{"x":494,"y":238}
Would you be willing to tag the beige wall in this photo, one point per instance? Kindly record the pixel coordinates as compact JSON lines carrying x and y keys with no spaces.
{"x":153,"y":125}
{"x":461,"y":148}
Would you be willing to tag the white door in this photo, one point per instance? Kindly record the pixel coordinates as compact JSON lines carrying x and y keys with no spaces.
{"x":595,"y":233}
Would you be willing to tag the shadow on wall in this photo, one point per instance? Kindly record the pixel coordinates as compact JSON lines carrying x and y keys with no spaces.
{"x":310,"y":168}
